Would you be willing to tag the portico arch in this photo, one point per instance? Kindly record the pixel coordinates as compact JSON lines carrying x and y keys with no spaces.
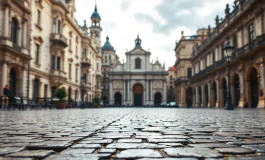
{"x":118,"y":99}
{"x":252,"y":82}
{"x":138,"y":94}
{"x":158,"y":99}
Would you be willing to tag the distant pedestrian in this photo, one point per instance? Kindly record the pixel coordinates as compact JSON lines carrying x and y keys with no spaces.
{"x":6,"y":90}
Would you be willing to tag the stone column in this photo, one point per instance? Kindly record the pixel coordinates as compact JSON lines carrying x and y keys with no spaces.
{"x":24,"y":81}
{"x":217,"y":105}
{"x":261,"y":103}
{"x":151,"y":96}
{"x":193,"y":98}
{"x":6,"y":22}
{"x":182,"y":97}
{"x":124,"y":93}
{"x":4,"y":75}
{"x":128,"y":92}
{"x":110,"y":93}
{"x":147,"y":91}
{"x":25,"y":34}
{"x":165,"y":92}
{"x":203,"y":103}
{"x":197,"y":97}
{"x":242,"y":100}
{"x":210,"y":96}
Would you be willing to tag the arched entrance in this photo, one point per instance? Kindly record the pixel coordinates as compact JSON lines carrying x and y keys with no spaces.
{"x":200,"y":97}
{"x":206,"y":95}
{"x":157,"y":99}
{"x":12,"y":82}
{"x":236,"y":89}
{"x":117,"y":99}
{"x":254,"y":88}
{"x":189,"y":97}
{"x":224,"y":84}
{"x":69,"y":93}
{"x":76,"y":95}
{"x":53,"y":89}
{"x":214,"y":88}
{"x":36,"y":84}
{"x":138,"y":94}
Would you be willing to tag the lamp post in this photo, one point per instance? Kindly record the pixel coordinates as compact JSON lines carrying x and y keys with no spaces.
{"x":102,"y":89}
{"x":228,"y":51}
{"x":82,"y":93}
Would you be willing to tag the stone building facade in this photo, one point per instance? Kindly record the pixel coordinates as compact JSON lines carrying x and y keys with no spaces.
{"x":137,"y":82}
{"x":170,"y":84}
{"x":244,"y":28}
{"x":61,"y":53}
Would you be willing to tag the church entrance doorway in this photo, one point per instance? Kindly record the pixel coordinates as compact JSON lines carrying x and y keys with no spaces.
{"x":117,"y":98}
{"x":158,"y":99}
{"x":138,"y":94}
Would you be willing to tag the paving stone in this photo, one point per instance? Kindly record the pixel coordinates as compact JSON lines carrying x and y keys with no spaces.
{"x":249,"y":142}
{"x":172,"y":144}
{"x":247,"y":158}
{"x":51,"y":145}
{"x":135,"y":146}
{"x":167,"y":141}
{"x":71,"y":139}
{"x":77,"y":152}
{"x":212,"y":145}
{"x":14,"y":145}
{"x":86,"y":146}
{"x":235,"y":150}
{"x":107,"y":151}
{"x":95,"y":141}
{"x":8,"y":150}
{"x":192,"y":152}
{"x":32,"y":154}
{"x":129,"y":141}
{"x":168,"y":159}
{"x":258,"y":148}
{"x":8,"y":158}
{"x":139,"y":153}
{"x":202,"y":140}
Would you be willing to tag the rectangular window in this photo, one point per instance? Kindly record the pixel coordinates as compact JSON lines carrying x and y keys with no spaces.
{"x":58,"y":67}
{"x":76,"y":73}
{"x":189,"y":72}
{"x":76,"y":50}
{"x":59,"y":26}
{"x":97,"y":66}
{"x":251,"y":33}
{"x":70,"y":71}
{"x":222,"y":51}
{"x":53,"y":63}
{"x":84,"y":55}
{"x":70,"y":45}
{"x":54,"y":25}
{"x":38,"y":17}
{"x":37,"y":52}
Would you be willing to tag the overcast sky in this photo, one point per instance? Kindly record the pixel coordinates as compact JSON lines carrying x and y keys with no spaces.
{"x":159,"y":22}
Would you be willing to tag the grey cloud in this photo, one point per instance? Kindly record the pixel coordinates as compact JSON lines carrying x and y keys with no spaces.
{"x":125,"y":4}
{"x":108,"y":25}
{"x":170,"y":11}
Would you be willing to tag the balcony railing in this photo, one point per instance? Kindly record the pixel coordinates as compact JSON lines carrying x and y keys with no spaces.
{"x":181,"y":79}
{"x":85,"y":61}
{"x":221,"y":25}
{"x":57,"y":37}
{"x":258,"y":42}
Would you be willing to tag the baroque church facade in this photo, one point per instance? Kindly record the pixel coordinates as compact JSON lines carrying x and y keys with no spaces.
{"x":138,"y":82}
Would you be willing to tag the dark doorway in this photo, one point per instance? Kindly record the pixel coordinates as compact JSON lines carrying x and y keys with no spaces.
{"x":158,"y":99}
{"x":105,"y":100}
{"x":53,"y":89}
{"x":189,"y":97}
{"x":12,"y":82}
{"x":224,"y":91}
{"x":200,"y":97}
{"x":214,"y":93}
{"x":254,"y":88}
{"x":118,"y":99}
{"x":237,"y":90}
{"x":36,"y":84}
{"x":69,"y":94}
{"x":138,"y":95}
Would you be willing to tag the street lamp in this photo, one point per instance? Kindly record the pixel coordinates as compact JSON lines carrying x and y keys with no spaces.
{"x":228,"y":51}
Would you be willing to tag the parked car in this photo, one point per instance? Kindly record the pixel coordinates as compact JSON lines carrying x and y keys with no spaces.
{"x":164,"y":104}
{"x":172,"y":104}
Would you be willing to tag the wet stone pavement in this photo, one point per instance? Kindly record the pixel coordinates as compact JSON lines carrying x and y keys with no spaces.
{"x":132,"y":133}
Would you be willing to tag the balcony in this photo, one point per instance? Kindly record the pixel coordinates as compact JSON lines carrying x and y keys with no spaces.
{"x":87,"y":86}
{"x":248,"y":49}
{"x":181,"y":79}
{"x":85,"y":62}
{"x":7,"y":44}
{"x":98,"y":73}
{"x":57,"y":77}
{"x":57,"y":38}
{"x":61,"y":3}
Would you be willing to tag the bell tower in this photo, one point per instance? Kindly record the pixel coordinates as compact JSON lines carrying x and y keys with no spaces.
{"x":95,"y":29}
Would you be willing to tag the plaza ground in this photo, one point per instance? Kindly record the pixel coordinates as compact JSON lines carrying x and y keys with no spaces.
{"x":133,"y":133}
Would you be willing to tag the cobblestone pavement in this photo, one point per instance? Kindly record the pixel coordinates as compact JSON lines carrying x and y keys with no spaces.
{"x":133,"y":133}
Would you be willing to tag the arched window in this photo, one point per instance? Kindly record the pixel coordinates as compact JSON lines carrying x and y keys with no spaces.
{"x":137,"y":63}
{"x":14,"y":29}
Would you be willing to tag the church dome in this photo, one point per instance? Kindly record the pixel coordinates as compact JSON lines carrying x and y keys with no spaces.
{"x":95,"y":14}
{"x":107,"y":45}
